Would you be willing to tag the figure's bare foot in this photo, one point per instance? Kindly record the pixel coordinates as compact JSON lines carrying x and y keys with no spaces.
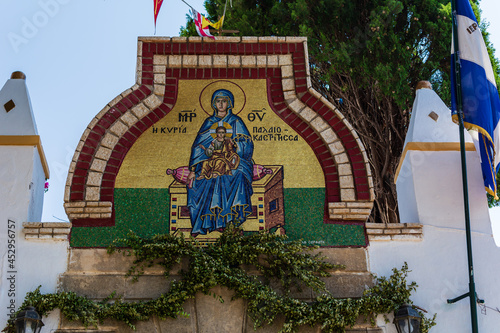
{"x":194,"y":235}
{"x":220,"y":229}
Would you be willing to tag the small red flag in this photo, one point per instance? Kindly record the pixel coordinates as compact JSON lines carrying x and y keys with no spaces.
{"x":158,"y":4}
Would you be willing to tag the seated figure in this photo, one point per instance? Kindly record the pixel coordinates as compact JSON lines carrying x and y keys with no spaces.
{"x":222,"y":156}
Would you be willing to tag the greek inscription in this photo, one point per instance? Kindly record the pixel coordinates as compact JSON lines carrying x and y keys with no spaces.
{"x":187,"y":115}
{"x":256,"y":114}
{"x":272,"y":129}
{"x":275,"y":137}
{"x":169,"y":130}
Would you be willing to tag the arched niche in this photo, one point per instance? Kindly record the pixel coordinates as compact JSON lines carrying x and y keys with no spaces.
{"x":162,"y":63}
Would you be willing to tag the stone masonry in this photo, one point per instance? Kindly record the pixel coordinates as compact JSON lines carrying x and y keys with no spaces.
{"x":96,"y":274}
{"x":46,"y":230}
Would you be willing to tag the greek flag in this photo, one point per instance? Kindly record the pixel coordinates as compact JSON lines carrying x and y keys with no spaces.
{"x":480,"y":101}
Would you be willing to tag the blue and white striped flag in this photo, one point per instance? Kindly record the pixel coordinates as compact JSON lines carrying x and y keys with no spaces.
{"x":481,"y":104}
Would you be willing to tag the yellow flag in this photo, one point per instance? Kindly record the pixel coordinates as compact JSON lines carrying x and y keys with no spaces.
{"x":218,"y":25}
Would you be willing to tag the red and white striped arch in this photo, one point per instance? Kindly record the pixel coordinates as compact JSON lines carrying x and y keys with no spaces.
{"x":162,"y":62}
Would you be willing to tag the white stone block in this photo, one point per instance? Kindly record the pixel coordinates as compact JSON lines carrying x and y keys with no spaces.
{"x":344,"y":169}
{"x":140,"y":110}
{"x":92,"y":193}
{"x":189,"y":61}
{"x":152,"y":102}
{"x":98,"y":165}
{"x":220,"y":60}
{"x":174,"y":61}
{"x":160,"y":59}
{"x":233,"y":61}
{"x":347,"y":194}
{"x":248,"y":61}
{"x":319,"y":124}
{"x":119,"y":128}
{"x":109,"y":140}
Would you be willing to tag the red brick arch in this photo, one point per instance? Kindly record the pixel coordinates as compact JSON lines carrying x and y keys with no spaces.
{"x":108,"y":138}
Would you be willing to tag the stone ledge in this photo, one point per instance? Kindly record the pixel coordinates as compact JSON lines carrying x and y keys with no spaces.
{"x":393,"y":225}
{"x":394,"y":231}
{"x":354,"y":259}
{"x":147,"y":286}
{"x":347,"y":285}
{"x":46,"y":225}
{"x":47,"y":230}
{"x":225,"y":320}
{"x":350,"y":210}
{"x":97,"y":261}
{"x":89,"y":209}
{"x":90,"y":216}
{"x":223,"y":39}
{"x":92,"y":266}
{"x":107,"y":326}
{"x":151,"y":286}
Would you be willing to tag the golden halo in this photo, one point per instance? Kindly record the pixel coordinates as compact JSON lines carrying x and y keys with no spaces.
{"x":240,"y":98}
{"x":213,"y":128}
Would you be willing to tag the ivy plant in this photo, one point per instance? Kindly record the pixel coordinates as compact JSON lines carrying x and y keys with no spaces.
{"x":288,"y":264}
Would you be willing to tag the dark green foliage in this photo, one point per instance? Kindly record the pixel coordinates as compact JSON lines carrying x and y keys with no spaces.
{"x":371,"y":54}
{"x":285,"y":263}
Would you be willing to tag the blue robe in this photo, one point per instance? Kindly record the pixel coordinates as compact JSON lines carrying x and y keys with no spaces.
{"x":215,"y":202}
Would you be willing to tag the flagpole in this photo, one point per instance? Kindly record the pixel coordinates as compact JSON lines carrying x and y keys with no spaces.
{"x":458,"y":93}
{"x":188,"y":4}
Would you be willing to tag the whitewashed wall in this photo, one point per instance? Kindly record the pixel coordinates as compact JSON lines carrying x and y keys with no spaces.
{"x":25,"y":264}
{"x":430,"y":192}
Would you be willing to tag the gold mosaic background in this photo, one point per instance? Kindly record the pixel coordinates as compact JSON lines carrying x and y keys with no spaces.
{"x":168,"y":143}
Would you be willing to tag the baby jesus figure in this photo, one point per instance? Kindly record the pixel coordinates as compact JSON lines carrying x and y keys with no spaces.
{"x":222,"y":156}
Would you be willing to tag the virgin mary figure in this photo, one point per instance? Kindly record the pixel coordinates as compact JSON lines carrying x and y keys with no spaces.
{"x":223,"y":198}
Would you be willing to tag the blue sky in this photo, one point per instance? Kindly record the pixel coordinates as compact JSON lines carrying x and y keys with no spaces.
{"x":79,"y":55}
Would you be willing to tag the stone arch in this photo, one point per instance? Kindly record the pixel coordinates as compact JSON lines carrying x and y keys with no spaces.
{"x":162,"y":62}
